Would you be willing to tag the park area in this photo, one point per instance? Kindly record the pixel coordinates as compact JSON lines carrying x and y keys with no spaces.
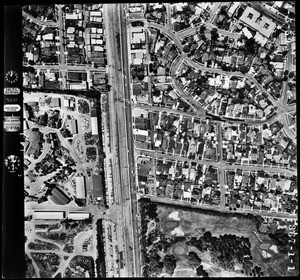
{"x":207,"y":243}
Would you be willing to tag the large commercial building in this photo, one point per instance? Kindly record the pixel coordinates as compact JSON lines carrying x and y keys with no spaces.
{"x":78,"y":216}
{"x":98,"y":187}
{"x":260,"y":23}
{"x":48,"y":215}
{"x":80,"y":187}
{"x":94,"y":121}
{"x":94,"y":125}
{"x":59,"y":197}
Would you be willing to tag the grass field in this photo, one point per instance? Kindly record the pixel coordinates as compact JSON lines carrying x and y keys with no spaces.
{"x":193,"y":223}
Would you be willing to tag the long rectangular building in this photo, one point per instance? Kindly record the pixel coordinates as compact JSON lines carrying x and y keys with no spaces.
{"x":98,"y":186}
{"x":94,"y":125}
{"x":80,"y":187}
{"x":79,"y":216}
{"x":48,"y":215}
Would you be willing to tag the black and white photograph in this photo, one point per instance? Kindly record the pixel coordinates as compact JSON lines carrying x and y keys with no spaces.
{"x":154,"y":139}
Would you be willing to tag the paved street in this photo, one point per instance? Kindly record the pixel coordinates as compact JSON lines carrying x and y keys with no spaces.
{"x":199,"y":113}
{"x":40,"y":22}
{"x":224,"y":210}
{"x":217,"y":164}
{"x":193,"y":30}
{"x":119,"y":69}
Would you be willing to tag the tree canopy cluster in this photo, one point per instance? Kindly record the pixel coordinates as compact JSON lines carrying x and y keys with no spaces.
{"x":225,"y":250}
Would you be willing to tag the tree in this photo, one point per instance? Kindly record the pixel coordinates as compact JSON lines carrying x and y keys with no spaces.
{"x":225,"y":40}
{"x":223,"y":10}
{"x":214,"y":34}
{"x":292,"y":75}
{"x":244,"y":69}
{"x":186,"y":49}
{"x":31,"y":62}
{"x":239,"y":12}
{"x":250,"y":45}
{"x":207,"y":235}
{"x":155,"y":268}
{"x":202,"y":29}
{"x":169,"y":264}
{"x":201,"y":272}
{"x":193,"y":260}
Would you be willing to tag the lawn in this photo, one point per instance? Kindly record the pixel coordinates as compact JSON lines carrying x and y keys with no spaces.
{"x":195,"y":224}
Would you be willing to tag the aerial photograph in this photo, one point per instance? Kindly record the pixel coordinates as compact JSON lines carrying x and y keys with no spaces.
{"x":159,"y":140}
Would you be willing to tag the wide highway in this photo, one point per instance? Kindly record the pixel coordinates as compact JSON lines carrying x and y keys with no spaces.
{"x":121,"y":130}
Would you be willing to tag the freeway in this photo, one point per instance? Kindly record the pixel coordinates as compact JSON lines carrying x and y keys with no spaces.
{"x":128,"y":124}
{"x":121,"y":130}
{"x":110,"y":19}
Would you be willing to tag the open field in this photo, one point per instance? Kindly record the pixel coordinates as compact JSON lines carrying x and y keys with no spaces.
{"x":236,"y":236}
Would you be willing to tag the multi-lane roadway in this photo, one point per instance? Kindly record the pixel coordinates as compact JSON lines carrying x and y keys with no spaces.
{"x":121,"y":128}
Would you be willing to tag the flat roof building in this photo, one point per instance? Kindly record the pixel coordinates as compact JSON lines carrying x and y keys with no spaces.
{"x":77,"y":216}
{"x":140,"y":131}
{"x":95,"y":13}
{"x":48,"y":215}
{"x":72,"y":126}
{"x":55,"y":102}
{"x":98,"y":186}
{"x":94,"y":125}
{"x":59,"y":197}
{"x":80,"y":187}
{"x":71,"y":16}
{"x":258,"y":22}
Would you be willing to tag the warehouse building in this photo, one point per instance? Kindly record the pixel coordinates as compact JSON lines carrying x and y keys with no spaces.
{"x":59,"y":197}
{"x":80,"y":187}
{"x":94,"y":125}
{"x":98,"y":187}
{"x":48,"y":215}
{"x":78,"y":216}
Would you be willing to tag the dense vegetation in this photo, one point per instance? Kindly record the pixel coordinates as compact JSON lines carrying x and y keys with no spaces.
{"x":226,"y":250}
{"x":100,"y":262}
